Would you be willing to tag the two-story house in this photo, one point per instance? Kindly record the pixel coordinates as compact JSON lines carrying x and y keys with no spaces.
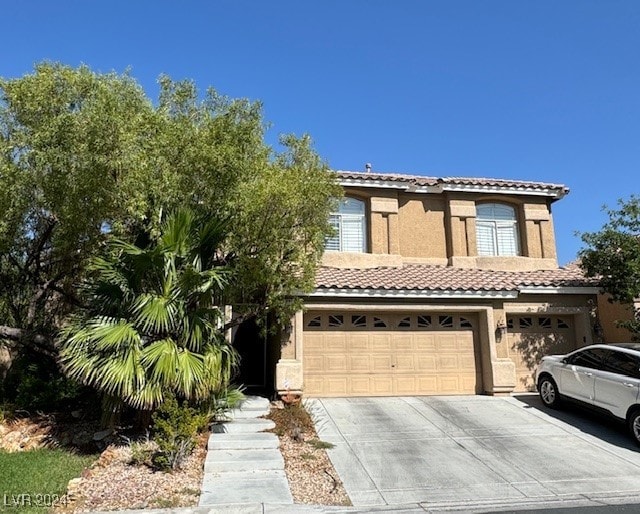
{"x":436,"y":286}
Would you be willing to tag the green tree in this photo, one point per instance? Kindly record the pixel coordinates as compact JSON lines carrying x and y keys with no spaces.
{"x":152,"y":326}
{"x":86,"y":156}
{"x":71,"y":151}
{"x":613,"y":255}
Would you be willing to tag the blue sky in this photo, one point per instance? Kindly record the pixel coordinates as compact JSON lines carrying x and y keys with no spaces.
{"x":534,"y":90}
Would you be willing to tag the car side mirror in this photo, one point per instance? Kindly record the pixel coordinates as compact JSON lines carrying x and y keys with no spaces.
{"x":565,"y":360}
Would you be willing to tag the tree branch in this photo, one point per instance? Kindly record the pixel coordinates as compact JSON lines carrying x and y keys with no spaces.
{"x":42,"y":343}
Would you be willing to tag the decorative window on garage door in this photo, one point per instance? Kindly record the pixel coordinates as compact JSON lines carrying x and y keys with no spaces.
{"x":386,"y":321}
{"x":548,"y":323}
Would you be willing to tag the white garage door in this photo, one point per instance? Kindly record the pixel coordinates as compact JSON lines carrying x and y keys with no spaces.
{"x":388,"y":354}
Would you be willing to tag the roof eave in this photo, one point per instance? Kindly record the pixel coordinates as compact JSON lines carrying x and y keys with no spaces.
{"x":338,"y":292}
{"x":553,"y":192}
{"x":559,"y":290}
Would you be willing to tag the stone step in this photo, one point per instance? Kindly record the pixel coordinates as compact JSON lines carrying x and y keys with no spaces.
{"x":246,"y":488}
{"x":247,"y":413}
{"x":221,"y":461}
{"x":243,"y":426}
{"x":243,"y":441}
{"x":254,"y":402}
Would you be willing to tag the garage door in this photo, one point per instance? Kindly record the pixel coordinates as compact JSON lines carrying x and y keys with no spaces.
{"x":530,"y":337}
{"x":383,"y":354}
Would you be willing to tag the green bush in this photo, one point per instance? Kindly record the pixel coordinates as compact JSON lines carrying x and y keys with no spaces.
{"x":175,"y":429}
{"x":35,"y":383}
{"x":219,"y":404}
{"x":143,"y":451}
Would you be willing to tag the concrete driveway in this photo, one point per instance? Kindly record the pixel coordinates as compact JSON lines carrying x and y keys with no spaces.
{"x":448,"y":452}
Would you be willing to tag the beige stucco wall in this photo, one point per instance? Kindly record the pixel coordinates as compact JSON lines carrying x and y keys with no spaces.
{"x":422,"y":226}
{"x":441,"y":229}
{"x":611,"y":312}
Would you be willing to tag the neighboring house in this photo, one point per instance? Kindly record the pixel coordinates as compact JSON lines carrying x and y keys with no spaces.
{"x":436,"y":286}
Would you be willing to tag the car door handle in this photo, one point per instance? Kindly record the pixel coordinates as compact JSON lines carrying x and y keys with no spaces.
{"x":628,"y":384}
{"x":588,"y":374}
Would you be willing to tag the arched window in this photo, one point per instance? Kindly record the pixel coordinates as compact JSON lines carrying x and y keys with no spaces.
{"x":497,"y":230}
{"x":350,"y":227}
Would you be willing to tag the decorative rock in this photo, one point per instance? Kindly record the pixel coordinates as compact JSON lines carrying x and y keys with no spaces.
{"x":72,"y":488}
{"x":81,"y":438}
{"x":102,"y":434}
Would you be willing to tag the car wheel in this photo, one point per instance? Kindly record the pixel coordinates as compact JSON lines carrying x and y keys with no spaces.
{"x":634,"y":426}
{"x":549,"y":392}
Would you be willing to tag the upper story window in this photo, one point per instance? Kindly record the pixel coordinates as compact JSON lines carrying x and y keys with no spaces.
{"x":350,"y":227}
{"x":497,"y":230}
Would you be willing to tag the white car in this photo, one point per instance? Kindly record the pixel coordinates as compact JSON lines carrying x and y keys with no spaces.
{"x":602,"y":376}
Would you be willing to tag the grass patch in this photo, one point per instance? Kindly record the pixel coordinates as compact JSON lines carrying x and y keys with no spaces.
{"x":30,"y":482}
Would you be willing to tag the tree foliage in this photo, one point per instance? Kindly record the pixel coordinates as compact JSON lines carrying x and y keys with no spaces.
{"x":613,"y":255}
{"x":152,"y":326}
{"x":86,"y":156}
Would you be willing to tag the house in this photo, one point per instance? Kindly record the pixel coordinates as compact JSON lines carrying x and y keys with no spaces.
{"x":436,"y":286}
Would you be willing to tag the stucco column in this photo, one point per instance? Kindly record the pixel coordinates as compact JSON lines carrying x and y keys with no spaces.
{"x":289,"y":376}
{"x":498,"y":373}
{"x":385,"y":234}
{"x":459,"y":211}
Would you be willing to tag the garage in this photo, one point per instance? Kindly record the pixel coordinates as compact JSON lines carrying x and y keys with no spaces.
{"x":530,"y":337}
{"x":390,"y":354}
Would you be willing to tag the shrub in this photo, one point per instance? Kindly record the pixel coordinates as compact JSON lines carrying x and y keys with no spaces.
{"x":175,"y":429}
{"x":219,"y":404}
{"x":34,"y":383}
{"x":142,"y":451}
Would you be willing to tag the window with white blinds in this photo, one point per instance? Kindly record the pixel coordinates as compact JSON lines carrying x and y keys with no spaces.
{"x":350,"y":228}
{"x":497,"y":230}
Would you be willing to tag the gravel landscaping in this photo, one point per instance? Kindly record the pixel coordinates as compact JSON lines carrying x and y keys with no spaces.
{"x":312,"y":478}
{"x":112,"y":482}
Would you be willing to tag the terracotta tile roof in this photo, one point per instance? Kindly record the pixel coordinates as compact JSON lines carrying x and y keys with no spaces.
{"x":417,"y":180}
{"x":446,"y":278}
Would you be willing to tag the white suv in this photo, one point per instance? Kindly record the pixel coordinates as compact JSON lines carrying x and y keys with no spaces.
{"x":603,"y":376}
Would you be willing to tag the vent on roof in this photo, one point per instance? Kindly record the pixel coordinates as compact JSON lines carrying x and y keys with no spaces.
{"x":367,"y":167}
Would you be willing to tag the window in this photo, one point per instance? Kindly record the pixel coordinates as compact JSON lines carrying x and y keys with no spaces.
{"x":350,"y":227}
{"x":623,"y":364}
{"x":405,"y":322}
{"x":445,"y":321}
{"x":544,"y":322}
{"x":336,"y":320}
{"x":379,"y":323}
{"x":593,"y":358}
{"x":424,"y":321}
{"x":359,"y":321}
{"x":497,"y":230}
{"x":525,"y":322}
{"x":314,"y":322}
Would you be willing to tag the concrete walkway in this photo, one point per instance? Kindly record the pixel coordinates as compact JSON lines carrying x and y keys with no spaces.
{"x":244,"y":464}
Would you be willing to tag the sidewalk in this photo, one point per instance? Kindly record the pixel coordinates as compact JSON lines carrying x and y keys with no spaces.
{"x":244,"y":464}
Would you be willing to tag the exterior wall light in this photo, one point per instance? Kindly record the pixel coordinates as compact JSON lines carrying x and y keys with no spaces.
{"x":501,"y":328}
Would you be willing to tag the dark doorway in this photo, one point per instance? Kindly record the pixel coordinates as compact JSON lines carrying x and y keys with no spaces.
{"x":250,"y":341}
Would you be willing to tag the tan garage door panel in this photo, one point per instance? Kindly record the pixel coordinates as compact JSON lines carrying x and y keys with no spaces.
{"x":530,"y":337}
{"x":385,"y":355}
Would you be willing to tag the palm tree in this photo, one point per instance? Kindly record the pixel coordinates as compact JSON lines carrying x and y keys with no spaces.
{"x":154,"y":326}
